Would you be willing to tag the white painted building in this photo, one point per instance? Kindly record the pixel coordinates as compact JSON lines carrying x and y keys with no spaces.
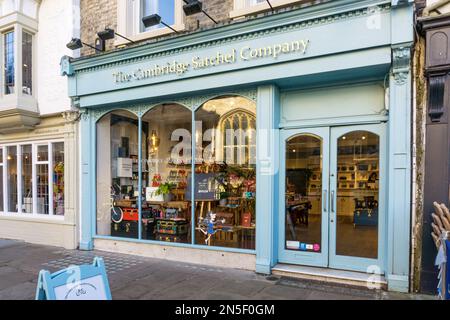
{"x":38,"y":127}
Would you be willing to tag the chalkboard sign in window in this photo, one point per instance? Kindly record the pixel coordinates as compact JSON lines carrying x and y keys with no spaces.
{"x":204,"y":188}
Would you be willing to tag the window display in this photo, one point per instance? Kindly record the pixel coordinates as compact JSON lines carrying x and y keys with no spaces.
{"x":225,"y":173}
{"x":168,"y":164}
{"x":28,"y":177}
{"x":58,"y":178}
{"x":117,"y":175}
{"x":221,"y":189}
{"x":12,"y":178}
{"x":27,"y":180}
{"x":1,"y":180}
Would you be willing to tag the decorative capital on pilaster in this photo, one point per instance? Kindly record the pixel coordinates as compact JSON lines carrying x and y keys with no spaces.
{"x":71,"y":116}
{"x":75,"y":102}
{"x":84,"y":114}
{"x":401,"y":63}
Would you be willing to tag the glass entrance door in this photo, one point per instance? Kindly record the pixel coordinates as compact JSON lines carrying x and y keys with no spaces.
{"x":332,"y":203}
{"x":304,"y":197}
{"x":356,"y":197}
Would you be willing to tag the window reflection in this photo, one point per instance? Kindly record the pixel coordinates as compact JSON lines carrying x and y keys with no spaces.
{"x":225,"y":175}
{"x":9,"y":62}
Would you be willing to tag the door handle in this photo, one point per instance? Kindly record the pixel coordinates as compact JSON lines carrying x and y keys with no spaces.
{"x":332,"y":201}
{"x":325,"y":200}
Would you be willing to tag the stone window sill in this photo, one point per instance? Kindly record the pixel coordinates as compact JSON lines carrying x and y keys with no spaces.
{"x":149,"y":35}
{"x":238,"y":13}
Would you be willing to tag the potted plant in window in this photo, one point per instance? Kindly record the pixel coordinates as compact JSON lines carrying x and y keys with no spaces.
{"x":165,"y":189}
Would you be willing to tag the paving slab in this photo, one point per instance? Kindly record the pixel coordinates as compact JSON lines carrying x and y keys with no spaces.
{"x":134,"y":277}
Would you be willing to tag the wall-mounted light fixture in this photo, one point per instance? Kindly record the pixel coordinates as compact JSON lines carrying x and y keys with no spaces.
{"x":109,"y":34}
{"x":76,"y":43}
{"x":154,"y":20}
{"x":192,"y":7}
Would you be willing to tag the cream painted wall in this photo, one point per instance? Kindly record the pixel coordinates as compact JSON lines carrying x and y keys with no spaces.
{"x":59,"y":21}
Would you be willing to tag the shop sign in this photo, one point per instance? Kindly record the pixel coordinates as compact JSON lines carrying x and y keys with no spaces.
{"x":243,"y":54}
{"x":85,"y":282}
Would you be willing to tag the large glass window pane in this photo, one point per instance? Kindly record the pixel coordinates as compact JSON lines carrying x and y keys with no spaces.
{"x":42,"y":188}
{"x":357,"y":194}
{"x":12,"y":178}
{"x":117,"y":175}
{"x":9,"y":62}
{"x":42,"y":152}
{"x":1,"y":188}
{"x":58,"y":177}
{"x":27,"y":180}
{"x":304,"y":193}
{"x":225,"y":175}
{"x":166,"y":170}
{"x":164,"y":8}
{"x":27,"y":62}
{"x":1,"y":180}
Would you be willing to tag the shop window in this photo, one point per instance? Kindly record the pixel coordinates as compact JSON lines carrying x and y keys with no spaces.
{"x":131,"y":12}
{"x":12,"y":178}
{"x":221,"y":190}
{"x":42,"y":180}
{"x":1,"y":182}
{"x":225,"y":173}
{"x":29,"y":177}
{"x":166,"y":172}
{"x":9,"y":73}
{"x":58,"y":178}
{"x":117,"y":175}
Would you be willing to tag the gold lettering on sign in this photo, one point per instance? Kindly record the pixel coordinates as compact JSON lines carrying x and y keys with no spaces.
{"x":245,"y":54}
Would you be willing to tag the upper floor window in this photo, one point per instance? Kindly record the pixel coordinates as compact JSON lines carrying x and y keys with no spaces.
{"x":164,"y":8}
{"x":246,"y":7}
{"x":27,"y":62}
{"x":9,"y":62}
{"x":18,"y":25}
{"x":131,"y":12}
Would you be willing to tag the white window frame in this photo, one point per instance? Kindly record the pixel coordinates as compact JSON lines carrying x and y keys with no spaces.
{"x":35,"y":162}
{"x":242,"y":8}
{"x":129,"y":21}
{"x":18,"y":22}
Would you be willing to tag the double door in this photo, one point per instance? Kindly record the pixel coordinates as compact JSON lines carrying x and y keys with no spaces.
{"x":332,"y":203}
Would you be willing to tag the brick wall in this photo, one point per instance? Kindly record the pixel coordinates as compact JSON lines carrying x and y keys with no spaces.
{"x":96,"y":15}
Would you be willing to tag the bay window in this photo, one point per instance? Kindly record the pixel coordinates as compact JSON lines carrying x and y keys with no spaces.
{"x":32,"y":178}
{"x":27,"y":62}
{"x":131,"y":12}
{"x":9,"y":74}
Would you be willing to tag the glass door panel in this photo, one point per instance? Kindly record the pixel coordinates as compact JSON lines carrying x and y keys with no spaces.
{"x":358,"y":155}
{"x":356,"y":204}
{"x":304,"y":196}
{"x":303,"y":191}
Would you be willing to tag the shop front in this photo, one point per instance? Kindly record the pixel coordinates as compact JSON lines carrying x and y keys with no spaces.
{"x":279,"y":140}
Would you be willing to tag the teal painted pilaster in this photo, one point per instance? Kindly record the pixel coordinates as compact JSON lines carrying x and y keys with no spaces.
{"x":399,"y":204}
{"x":86,"y":242}
{"x":267,"y":177}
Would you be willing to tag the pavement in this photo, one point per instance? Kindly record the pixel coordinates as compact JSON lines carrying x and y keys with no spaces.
{"x":139,"y":278}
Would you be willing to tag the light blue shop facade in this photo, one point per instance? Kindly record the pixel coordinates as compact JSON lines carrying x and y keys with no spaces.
{"x":331,"y":90}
